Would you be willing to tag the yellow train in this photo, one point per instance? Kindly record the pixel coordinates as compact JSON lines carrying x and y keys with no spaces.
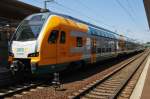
{"x":48,"y":42}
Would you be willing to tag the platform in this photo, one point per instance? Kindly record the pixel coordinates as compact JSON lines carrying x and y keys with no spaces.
{"x":142,"y":88}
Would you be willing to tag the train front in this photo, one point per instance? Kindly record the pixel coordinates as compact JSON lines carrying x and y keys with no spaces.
{"x":24,"y":52}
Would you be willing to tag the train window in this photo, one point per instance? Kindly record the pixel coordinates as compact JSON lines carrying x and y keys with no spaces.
{"x":62,"y":37}
{"x":103,"y":50}
{"x":99,"y":50}
{"x":96,"y":32}
{"x":79,"y":42}
{"x":103,"y":33}
{"x":109,"y":49}
{"x":106,"y":34}
{"x":53,"y":36}
{"x":111,"y":36}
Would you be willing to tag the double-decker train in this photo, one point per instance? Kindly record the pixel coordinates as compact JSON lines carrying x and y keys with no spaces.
{"x":48,"y":42}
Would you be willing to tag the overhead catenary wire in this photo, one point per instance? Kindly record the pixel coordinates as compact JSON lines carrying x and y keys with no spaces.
{"x":130,"y":6}
{"x":87,"y":7}
{"x":129,"y":14}
{"x":125,"y":10}
{"x":78,"y":12}
{"x":93,"y":19}
{"x":72,"y":10}
{"x":133,"y":10}
{"x":91,"y":10}
{"x":90,"y":18}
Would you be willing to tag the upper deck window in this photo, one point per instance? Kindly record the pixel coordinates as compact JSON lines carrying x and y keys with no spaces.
{"x":79,"y":42}
{"x":30,"y":28}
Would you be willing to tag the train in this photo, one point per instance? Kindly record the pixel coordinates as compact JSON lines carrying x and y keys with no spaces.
{"x":49,"y":42}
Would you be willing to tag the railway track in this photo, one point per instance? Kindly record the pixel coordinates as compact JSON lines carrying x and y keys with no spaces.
{"x":25,"y":87}
{"x":110,"y":86}
{"x":12,"y":90}
{"x":6,"y":77}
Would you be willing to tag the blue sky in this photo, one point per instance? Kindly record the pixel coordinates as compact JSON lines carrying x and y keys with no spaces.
{"x":125,"y":17}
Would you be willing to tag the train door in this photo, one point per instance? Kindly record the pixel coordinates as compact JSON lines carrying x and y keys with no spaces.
{"x":93,"y":50}
{"x":50,"y":54}
{"x":62,"y":48}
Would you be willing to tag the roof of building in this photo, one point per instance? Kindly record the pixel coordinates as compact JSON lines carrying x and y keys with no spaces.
{"x":16,"y":10}
{"x":147,"y":9}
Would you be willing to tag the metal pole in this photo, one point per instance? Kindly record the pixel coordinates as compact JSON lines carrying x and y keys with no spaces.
{"x":45,"y":7}
{"x":45,"y":3}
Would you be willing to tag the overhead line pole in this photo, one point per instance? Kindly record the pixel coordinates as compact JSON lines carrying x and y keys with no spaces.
{"x":45,"y":3}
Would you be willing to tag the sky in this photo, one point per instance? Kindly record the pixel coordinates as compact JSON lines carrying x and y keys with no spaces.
{"x":126,"y":17}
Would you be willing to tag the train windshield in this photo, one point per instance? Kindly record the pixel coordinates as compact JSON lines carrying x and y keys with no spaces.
{"x":30,"y":28}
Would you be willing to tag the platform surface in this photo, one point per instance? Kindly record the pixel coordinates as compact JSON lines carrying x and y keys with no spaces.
{"x":146,"y":88}
{"x":142,"y":88}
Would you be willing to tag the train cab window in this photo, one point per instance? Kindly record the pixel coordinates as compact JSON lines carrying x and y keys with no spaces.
{"x":53,"y":37}
{"x":62,"y":37}
{"x":79,"y":42}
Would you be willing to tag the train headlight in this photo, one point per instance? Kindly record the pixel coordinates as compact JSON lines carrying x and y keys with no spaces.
{"x":33,"y":54}
{"x":14,"y":49}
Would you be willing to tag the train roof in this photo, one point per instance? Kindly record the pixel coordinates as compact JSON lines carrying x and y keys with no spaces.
{"x":78,"y":20}
{"x":89,"y":24}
